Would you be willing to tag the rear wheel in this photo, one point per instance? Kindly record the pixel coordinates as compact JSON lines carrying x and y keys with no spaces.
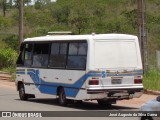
{"x":78,"y":101}
{"x":62,"y":97}
{"x":104,"y":103}
{"x":22,"y":94}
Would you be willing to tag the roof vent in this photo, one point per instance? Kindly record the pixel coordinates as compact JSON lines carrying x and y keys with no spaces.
{"x":93,"y":34}
{"x":60,"y":33}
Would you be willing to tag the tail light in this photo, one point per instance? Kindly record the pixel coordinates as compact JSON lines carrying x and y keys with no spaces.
{"x":138,"y":80}
{"x":93,"y":82}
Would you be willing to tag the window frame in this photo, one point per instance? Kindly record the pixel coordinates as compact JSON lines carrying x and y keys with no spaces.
{"x":39,"y":42}
{"x":80,"y":41}
{"x":60,"y":42}
{"x":49,"y":53}
{"x":25,"y":52}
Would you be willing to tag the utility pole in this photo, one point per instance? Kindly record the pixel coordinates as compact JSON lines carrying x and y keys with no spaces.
{"x":20,"y":21}
{"x":142,"y":33}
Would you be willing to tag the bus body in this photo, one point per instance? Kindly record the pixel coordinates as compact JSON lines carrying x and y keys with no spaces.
{"x":103,"y":67}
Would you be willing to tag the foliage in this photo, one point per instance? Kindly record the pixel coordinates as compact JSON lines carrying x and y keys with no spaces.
{"x":131,"y":17}
{"x":12,"y":42}
{"x":3,"y":45}
{"x":8,"y":58}
{"x":38,"y":4}
{"x":80,"y":22}
{"x":151,"y":80}
{"x":5,"y":23}
{"x":9,"y":70}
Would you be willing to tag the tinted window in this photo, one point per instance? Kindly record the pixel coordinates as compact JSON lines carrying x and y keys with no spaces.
{"x":58,"y":55}
{"x":40,"y":55}
{"x":82,"y":49}
{"x":55,"y":48}
{"x":63,"y":48}
{"x":77,"y":55}
{"x":73,"y":48}
{"x":76,"y":62}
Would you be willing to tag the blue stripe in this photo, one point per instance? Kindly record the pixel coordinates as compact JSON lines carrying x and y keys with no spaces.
{"x":51,"y":87}
{"x":71,"y":90}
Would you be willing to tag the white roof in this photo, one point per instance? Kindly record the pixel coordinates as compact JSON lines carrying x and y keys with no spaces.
{"x":81,"y":37}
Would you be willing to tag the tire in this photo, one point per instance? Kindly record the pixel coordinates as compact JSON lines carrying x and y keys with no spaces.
{"x":104,"y":103}
{"x":146,"y":118}
{"x":62,"y":97}
{"x":78,"y":101}
{"x":22,"y":94}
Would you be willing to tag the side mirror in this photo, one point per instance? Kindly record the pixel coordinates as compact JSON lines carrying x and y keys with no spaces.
{"x":158,"y":98}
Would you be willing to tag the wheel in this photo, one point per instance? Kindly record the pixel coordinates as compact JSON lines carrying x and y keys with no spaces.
{"x":78,"y":101}
{"x":62,"y":97}
{"x":104,"y":103}
{"x":22,"y":94}
{"x":146,"y":118}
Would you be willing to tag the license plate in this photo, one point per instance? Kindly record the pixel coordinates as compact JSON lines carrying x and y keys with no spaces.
{"x":116,"y":81}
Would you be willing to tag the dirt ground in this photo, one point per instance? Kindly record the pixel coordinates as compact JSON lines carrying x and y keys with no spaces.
{"x":135,"y":102}
{"x":7,"y":83}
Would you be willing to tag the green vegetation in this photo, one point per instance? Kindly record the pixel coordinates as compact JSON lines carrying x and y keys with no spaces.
{"x":80,"y":17}
{"x":151,"y":80}
{"x":8,"y":58}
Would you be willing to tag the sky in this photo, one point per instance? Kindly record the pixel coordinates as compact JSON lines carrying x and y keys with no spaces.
{"x":33,"y":1}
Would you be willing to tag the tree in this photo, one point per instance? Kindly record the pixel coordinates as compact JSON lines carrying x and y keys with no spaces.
{"x":131,"y":17}
{"x":80,"y":22}
{"x":3,"y":5}
{"x":60,"y":13}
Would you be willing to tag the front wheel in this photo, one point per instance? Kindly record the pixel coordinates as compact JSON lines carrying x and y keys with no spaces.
{"x":62,"y":97}
{"x":22,"y":94}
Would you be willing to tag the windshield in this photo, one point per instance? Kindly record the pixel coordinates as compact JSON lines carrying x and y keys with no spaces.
{"x":115,"y":54}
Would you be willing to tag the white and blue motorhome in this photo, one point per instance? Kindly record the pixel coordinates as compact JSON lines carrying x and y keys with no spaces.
{"x":102,"y":67}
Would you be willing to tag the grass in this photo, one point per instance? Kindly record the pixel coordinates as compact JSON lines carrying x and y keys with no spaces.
{"x":151,"y":80}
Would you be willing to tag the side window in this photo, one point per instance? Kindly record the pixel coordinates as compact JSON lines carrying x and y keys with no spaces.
{"x":40,"y":55}
{"x":77,"y":55}
{"x":58,"y":55}
{"x":28,"y":54}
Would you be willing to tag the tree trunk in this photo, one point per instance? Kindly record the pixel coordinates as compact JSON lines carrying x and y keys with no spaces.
{"x":4,"y":8}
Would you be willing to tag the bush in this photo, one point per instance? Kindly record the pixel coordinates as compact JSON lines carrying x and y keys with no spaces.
{"x":12,"y":42}
{"x":151,"y":80}
{"x":8,"y":58}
